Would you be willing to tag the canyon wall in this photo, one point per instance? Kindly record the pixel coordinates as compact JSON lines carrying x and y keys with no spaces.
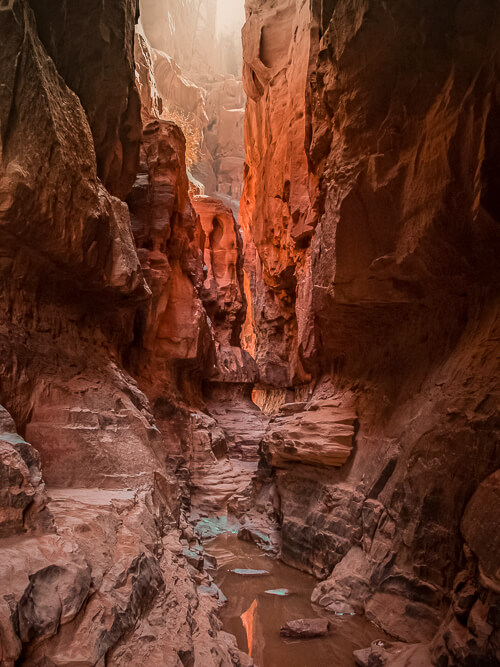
{"x":104,"y":345}
{"x":371,"y":220}
{"x":198,"y":73}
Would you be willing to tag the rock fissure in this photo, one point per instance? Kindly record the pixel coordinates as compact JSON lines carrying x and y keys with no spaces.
{"x":242,"y":311}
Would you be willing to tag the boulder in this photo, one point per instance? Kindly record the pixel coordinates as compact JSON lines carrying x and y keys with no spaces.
{"x":305,"y":628}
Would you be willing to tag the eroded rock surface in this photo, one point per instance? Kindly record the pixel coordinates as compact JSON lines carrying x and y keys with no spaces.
{"x":471,"y":629}
{"x":198,"y":72}
{"x":101,"y":46}
{"x":305,"y":628}
{"x":370,"y":296}
{"x":88,"y":297}
{"x":23,"y":499}
{"x":106,"y":586}
{"x":371,"y":229}
{"x":322,"y":435}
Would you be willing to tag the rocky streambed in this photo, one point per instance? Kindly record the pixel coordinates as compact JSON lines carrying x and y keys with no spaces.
{"x":259,"y":595}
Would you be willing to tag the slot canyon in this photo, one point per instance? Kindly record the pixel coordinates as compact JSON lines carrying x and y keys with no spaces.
{"x":249,"y":333}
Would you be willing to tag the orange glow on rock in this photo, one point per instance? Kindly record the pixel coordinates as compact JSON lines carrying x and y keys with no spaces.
{"x":248,"y":620}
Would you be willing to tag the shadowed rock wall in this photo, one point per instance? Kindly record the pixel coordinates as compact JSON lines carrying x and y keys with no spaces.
{"x":371,"y":237}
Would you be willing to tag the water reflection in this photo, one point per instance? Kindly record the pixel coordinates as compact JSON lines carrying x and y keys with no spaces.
{"x":258,"y":607}
{"x":248,"y":618}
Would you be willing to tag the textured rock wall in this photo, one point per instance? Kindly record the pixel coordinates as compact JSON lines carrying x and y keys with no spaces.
{"x":371,"y":234}
{"x":70,"y":276}
{"x":98,"y":577}
{"x":99,"y":56}
{"x":90,"y":294}
{"x":172,"y":330}
{"x":223,"y":292}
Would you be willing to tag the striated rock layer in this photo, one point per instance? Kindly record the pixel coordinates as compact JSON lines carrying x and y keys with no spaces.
{"x":371,"y":221}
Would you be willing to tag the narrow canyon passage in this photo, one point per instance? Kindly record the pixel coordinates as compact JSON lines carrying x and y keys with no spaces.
{"x":249,"y":333}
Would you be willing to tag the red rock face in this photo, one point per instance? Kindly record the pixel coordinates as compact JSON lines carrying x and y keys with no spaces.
{"x":173,"y":329}
{"x":71,"y":278}
{"x":278,"y":207}
{"x":223,"y":292}
{"x":101,"y":45}
{"x":371,"y":231}
{"x":23,"y":501}
{"x":86,"y":292}
{"x":370,"y":292}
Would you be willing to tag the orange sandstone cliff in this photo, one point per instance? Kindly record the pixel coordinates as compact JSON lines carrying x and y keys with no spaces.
{"x":371,"y":221}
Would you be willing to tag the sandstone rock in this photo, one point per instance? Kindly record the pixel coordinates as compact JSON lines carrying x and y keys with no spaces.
{"x":22,"y":490}
{"x":347,"y":588}
{"x":10,"y":644}
{"x":305,"y":628}
{"x":322,"y":435}
{"x":94,"y":432}
{"x":471,"y":628}
{"x":104,"y":558}
{"x":17,"y":491}
{"x":97,"y":63}
{"x":405,"y":620}
{"x":277,"y":49}
{"x":75,"y":312}
{"x":482,"y":531}
{"x":243,"y":423}
{"x":199,"y":78}
{"x":173,"y":327}
{"x":321,"y":520}
{"x":370,"y":213}
{"x":176,"y":89}
{"x":165,"y":230}
{"x":33,"y":198}
{"x":7,"y":425}
{"x":393,"y":653}
{"x":54,"y":597}
{"x":356,"y":267}
{"x":151,"y":100}
{"x":223,"y":292}
{"x":70,"y":276}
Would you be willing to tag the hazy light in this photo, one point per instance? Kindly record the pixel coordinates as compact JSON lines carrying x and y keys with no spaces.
{"x":230,"y":15}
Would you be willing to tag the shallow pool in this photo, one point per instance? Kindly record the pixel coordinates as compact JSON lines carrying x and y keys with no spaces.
{"x":255,"y":617}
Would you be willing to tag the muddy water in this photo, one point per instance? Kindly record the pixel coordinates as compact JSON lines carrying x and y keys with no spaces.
{"x":255,"y":617}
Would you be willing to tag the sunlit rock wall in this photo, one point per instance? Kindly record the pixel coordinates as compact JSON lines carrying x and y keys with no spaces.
{"x":198,"y":74}
{"x":187,"y":31}
{"x":371,"y":227}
